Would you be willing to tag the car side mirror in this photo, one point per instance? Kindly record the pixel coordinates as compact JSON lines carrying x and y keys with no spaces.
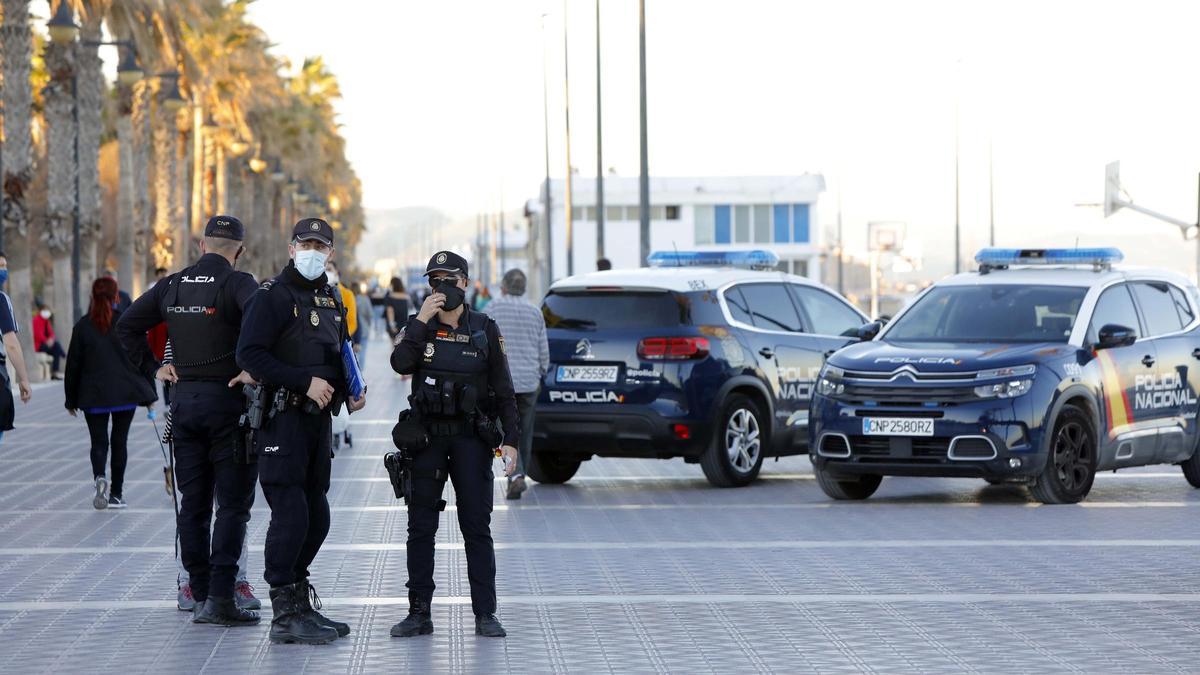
{"x":867,"y":332}
{"x":1114,"y":335}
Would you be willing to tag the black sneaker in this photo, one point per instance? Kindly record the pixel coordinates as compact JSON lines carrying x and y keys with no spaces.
{"x":224,"y":612}
{"x":488,"y":625}
{"x":516,"y":485}
{"x":100,"y":501}
{"x":418,"y":622}
{"x":115,"y":502}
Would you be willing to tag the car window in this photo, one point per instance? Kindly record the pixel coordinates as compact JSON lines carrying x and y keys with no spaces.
{"x":1154,"y":297}
{"x":1114,"y":307}
{"x":589,"y":310}
{"x":771,"y":307}
{"x":737,"y":306}
{"x":1181,"y":306}
{"x":828,"y":315}
{"x":990,"y":313}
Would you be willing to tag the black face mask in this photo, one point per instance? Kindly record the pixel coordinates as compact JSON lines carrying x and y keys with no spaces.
{"x":454,"y":294}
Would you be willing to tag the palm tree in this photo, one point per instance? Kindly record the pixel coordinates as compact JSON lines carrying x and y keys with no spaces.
{"x":90,"y":100}
{"x":59,"y":99}
{"x":16,"y":52}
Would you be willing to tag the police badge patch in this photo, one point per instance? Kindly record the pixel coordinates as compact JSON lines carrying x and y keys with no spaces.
{"x":314,"y":318}
{"x":429,"y":350}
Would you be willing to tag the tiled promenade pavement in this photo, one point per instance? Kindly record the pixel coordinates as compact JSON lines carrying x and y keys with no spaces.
{"x":634,"y":566}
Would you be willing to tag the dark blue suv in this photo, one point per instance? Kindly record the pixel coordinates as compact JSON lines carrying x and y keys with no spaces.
{"x":693,"y":358}
{"x":1042,"y":368}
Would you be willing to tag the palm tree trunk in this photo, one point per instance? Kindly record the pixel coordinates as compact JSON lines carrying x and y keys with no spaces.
{"x":16,"y":53}
{"x":179,"y":215}
{"x":197,"y":156}
{"x":210,"y":181}
{"x":141,"y":197}
{"x":60,"y":167}
{"x":125,"y":195}
{"x":90,"y":98}
{"x":165,"y":180}
{"x":260,"y":244}
{"x":221,"y":179}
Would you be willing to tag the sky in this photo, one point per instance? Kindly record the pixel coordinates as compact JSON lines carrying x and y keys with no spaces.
{"x":443,"y":105}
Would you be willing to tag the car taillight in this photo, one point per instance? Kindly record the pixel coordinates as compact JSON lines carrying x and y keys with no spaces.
{"x":673,"y":348}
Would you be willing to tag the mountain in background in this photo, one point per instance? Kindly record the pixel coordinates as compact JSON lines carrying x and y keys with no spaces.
{"x":392,"y":234}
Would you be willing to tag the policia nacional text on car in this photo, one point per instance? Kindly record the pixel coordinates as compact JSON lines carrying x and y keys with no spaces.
{"x":291,"y":342}
{"x":460,"y":382}
{"x":202,"y":307}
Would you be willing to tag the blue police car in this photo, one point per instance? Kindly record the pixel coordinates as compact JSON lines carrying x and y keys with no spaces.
{"x":1041,"y":368}
{"x":706,"y":356}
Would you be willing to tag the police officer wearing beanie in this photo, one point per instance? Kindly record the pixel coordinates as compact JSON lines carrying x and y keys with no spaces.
{"x":202,"y":307}
{"x":460,"y":382}
{"x":291,"y":341}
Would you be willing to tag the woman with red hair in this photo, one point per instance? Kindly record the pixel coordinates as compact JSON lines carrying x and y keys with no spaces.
{"x":102,"y":382}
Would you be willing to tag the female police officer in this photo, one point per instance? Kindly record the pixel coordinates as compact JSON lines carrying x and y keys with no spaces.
{"x":460,"y":382}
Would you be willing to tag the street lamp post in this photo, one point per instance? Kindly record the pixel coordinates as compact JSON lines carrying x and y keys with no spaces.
{"x":546,"y":149}
{"x":599,"y":149}
{"x":567,"y":112}
{"x":644,"y":181}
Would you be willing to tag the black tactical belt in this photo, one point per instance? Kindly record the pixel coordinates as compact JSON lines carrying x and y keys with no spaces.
{"x":446,"y":427}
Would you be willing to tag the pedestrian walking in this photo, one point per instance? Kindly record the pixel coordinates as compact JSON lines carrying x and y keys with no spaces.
{"x":362,"y":338}
{"x":45,"y":341}
{"x":202,"y":306}
{"x":524,"y":331}
{"x":460,"y":385}
{"x":103,"y":383}
{"x":396,"y":308}
{"x":291,"y":341}
{"x":10,"y":352}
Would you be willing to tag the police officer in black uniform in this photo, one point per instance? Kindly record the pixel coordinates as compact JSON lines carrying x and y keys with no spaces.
{"x":202,"y":307}
{"x":291,"y":341}
{"x":460,"y":380}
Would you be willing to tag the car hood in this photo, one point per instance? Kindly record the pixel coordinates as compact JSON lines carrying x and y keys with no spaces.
{"x":943,"y":357}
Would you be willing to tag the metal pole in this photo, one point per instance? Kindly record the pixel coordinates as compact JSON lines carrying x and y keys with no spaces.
{"x":644,"y":181}
{"x":599,"y":149}
{"x":991,"y":199}
{"x":957,"y":229}
{"x":1197,"y":232}
{"x":841,"y":287}
{"x":546,"y":219}
{"x":567,"y":111}
{"x":76,"y":308}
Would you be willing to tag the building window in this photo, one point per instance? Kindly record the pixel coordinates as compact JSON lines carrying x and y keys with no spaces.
{"x":612,"y":213}
{"x":783,"y":223}
{"x":762,"y":224}
{"x":589,"y":213}
{"x":633,"y":213}
{"x":657,"y":213}
{"x":703,"y":224}
{"x":722,"y":223}
{"x":576,"y":213}
{"x":741,"y":224}
{"x":800,"y":224}
{"x":673,"y":212}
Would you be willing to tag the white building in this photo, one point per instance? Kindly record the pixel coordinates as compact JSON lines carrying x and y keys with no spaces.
{"x":776,"y":213}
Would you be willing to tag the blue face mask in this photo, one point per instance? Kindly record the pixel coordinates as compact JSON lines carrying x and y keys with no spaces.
{"x":310,"y":264}
{"x":3,"y":277}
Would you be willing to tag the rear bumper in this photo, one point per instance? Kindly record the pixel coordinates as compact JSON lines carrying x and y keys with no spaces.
{"x":615,"y":433}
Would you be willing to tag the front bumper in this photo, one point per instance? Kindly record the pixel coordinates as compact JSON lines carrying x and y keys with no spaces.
{"x":616,"y":431}
{"x":985,"y":439}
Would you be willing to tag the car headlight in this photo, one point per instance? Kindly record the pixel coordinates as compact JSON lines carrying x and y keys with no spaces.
{"x":829,"y":383}
{"x":1014,"y":381}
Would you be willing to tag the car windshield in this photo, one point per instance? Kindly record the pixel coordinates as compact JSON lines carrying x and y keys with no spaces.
{"x":991,"y":313}
{"x":590,"y":310}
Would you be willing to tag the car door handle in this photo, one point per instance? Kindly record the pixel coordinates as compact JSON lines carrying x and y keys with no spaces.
{"x":1147,"y":360}
{"x":1196,"y":353}
{"x":767,"y":352}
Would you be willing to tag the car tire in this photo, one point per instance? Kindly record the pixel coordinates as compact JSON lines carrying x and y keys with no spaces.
{"x":1070,"y":461}
{"x":1191,"y":468}
{"x":843,"y":486}
{"x":549,"y":467}
{"x":735,"y":454}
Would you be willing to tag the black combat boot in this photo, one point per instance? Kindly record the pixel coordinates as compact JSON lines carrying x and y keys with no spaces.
{"x":488,"y":625}
{"x":223,"y":612}
{"x":291,"y":624}
{"x":311,"y":603}
{"x":419,"y":620}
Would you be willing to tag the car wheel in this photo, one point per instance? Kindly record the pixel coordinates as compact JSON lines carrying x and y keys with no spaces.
{"x":549,"y":467}
{"x":1191,"y":468}
{"x":735,"y":454}
{"x":1071,"y":463}
{"x":843,"y":486}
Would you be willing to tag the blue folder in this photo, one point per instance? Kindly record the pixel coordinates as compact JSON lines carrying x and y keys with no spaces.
{"x":356,"y":384}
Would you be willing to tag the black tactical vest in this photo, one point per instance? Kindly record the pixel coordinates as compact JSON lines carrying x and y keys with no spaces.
{"x":202,"y":340}
{"x":452,"y":377}
{"x":312,"y":340}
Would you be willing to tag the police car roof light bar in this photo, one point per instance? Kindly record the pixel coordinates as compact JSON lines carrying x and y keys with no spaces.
{"x":755,"y":260}
{"x":1100,"y":258}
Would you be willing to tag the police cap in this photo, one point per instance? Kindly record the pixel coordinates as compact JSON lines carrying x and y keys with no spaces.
{"x":313,"y":229}
{"x":446,"y":261}
{"x":225,"y":227}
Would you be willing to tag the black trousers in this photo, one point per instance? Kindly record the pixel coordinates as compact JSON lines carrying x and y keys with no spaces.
{"x":101,"y":444}
{"x":294,"y":461}
{"x":469,"y":465}
{"x":57,"y":355}
{"x":204,"y":418}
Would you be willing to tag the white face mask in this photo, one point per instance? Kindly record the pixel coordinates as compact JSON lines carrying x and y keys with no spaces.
{"x":310,"y":264}
{"x":333,"y":277}
{"x":45,"y":313}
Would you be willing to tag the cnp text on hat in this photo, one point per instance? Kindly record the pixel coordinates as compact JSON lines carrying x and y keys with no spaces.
{"x":313,"y":229}
{"x":445,"y":261}
{"x":225,"y":227}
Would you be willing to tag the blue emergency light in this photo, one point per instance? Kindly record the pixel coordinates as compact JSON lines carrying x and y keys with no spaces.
{"x":999,"y":258}
{"x":755,"y":260}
